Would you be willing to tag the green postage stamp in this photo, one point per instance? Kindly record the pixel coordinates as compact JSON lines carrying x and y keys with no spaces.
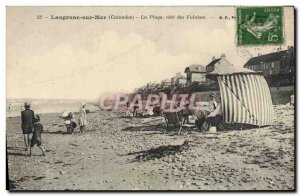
{"x":259,"y":25}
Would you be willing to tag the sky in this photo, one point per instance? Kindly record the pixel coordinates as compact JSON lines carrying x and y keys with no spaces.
{"x":82,"y":59}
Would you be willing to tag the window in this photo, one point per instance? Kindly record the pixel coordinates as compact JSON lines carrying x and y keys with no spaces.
{"x":270,"y":72}
{"x":273,"y":64}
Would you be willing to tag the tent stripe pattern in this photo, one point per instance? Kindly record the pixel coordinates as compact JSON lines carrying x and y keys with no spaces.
{"x":246,"y":98}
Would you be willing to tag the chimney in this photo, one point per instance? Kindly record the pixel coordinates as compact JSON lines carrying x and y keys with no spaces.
{"x":223,"y":55}
{"x":258,"y":54}
{"x":290,"y":47}
{"x":213,"y":58}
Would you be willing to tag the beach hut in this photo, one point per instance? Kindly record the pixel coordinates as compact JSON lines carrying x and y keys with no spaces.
{"x":245,"y":96}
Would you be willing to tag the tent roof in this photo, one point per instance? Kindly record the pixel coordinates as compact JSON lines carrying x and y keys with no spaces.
{"x":230,"y":70}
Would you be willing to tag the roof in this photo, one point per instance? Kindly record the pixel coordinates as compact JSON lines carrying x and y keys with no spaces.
{"x":152,"y":83}
{"x":212,"y":63}
{"x":195,"y":68}
{"x":230,"y":70}
{"x":178,"y":76}
{"x":166,"y":81}
{"x":266,"y":58}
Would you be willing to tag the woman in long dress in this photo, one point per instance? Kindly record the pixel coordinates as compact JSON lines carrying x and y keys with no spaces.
{"x":82,"y":119}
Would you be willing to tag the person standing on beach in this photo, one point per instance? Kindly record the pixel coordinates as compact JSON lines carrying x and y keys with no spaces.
{"x":27,"y":117}
{"x":37,"y":135}
{"x":82,"y":119}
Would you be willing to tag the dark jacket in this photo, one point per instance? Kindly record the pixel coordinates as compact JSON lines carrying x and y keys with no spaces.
{"x":27,"y":117}
{"x":38,"y":129}
{"x":37,"y":135}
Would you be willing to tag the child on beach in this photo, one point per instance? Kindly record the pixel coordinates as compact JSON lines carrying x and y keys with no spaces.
{"x":37,"y":135}
{"x":70,"y":122}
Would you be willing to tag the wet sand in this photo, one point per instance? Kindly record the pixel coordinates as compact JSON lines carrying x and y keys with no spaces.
{"x":122,"y":154}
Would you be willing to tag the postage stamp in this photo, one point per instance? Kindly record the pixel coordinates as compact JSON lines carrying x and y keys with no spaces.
{"x":260,"y":26}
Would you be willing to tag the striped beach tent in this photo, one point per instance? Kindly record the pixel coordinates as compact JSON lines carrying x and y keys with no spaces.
{"x":245,"y":96}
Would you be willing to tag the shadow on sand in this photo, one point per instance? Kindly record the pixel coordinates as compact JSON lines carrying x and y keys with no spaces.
{"x":152,"y":130}
{"x":237,"y":127}
{"x":145,"y":128}
{"x":17,"y":154}
{"x":16,"y":148}
{"x":56,"y":132}
{"x":159,"y":152}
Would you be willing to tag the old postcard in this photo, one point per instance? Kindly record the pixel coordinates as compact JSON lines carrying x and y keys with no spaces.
{"x":150,"y":98}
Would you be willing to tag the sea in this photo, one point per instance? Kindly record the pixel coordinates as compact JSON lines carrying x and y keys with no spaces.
{"x":42,"y":106}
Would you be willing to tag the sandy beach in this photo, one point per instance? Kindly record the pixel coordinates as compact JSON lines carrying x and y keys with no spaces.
{"x":134,"y":154}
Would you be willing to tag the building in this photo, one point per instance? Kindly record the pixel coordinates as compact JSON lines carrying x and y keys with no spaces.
{"x":217,"y":62}
{"x":280,"y":62}
{"x":151,"y":85}
{"x":178,"y":80}
{"x":195,"y":73}
{"x":165,"y":83}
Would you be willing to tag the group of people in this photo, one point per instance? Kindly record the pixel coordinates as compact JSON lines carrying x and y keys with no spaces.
{"x":206,"y":119}
{"x":70,"y":120}
{"x":32,"y":127}
{"x":152,"y":110}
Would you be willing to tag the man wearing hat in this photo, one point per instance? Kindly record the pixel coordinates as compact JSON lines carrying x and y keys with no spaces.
{"x":211,"y":117}
{"x":213,"y":102}
{"x":27,"y":117}
{"x":214,"y":118}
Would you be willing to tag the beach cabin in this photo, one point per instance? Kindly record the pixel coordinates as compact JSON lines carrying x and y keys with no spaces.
{"x":245,"y":96}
